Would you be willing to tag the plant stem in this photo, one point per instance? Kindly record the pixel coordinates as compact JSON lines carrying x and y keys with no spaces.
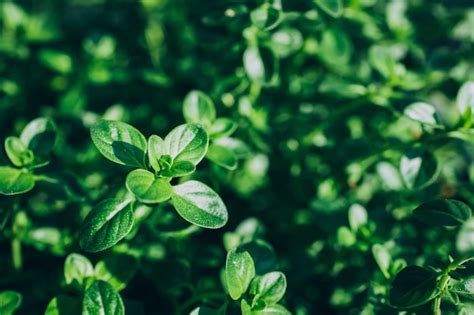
{"x":181,"y":233}
{"x":443,"y":282}
{"x":17,"y":259}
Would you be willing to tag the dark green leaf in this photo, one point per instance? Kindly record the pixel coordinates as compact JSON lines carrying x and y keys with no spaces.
{"x":413,"y":286}
{"x":199,"y":204}
{"x":106,"y":224}
{"x":443,"y":212}
{"x":187,"y":143}
{"x":148,"y":188}
{"x":240,"y":271}
{"x":117,"y":270}
{"x":101,"y":298}
{"x":15,"y":181}
{"x":119,"y":142}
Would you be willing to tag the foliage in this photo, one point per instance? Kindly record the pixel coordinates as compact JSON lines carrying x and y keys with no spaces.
{"x":237,"y":157}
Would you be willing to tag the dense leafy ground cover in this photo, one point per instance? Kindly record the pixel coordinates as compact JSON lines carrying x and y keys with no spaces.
{"x":237,"y":157}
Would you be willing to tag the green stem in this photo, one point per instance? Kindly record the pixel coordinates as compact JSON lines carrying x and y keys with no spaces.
{"x":181,"y":233}
{"x":17,"y":259}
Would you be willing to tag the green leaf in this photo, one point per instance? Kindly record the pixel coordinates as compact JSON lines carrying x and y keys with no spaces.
{"x":260,"y":64}
{"x":64,"y":305}
{"x":465,"y":97}
{"x":222,"y":127}
{"x":39,"y":136}
{"x":239,"y":271}
{"x":222,"y":156}
{"x":199,"y":204}
{"x":286,"y":42}
{"x":421,"y":112}
{"x":465,"y":238}
{"x":102,"y":299}
{"x":418,"y":168}
{"x":266,"y":17}
{"x":413,"y":286}
{"x":382,"y":258}
{"x":155,"y":149}
{"x":119,"y":142}
{"x":357,"y":216}
{"x":180,"y":168}
{"x":443,"y":212}
{"x":198,"y":108}
{"x":10,"y":301}
{"x":332,"y":7}
{"x":245,"y":308}
{"x":335,"y":48}
{"x":187,"y":142}
{"x":464,"y":288}
{"x":18,"y":152}
{"x":77,"y":268}
{"x":269,"y":288}
{"x":148,"y":188}
{"x":117,"y":270}
{"x":106,"y":224}
{"x":272,"y":310}
{"x":15,"y":181}
{"x":56,"y":60}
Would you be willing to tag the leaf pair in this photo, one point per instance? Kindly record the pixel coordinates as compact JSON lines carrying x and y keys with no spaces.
{"x":267,"y":290}
{"x":29,"y":151}
{"x":198,"y":108}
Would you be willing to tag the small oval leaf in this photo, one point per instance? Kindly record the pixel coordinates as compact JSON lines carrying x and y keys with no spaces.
{"x":77,"y":268}
{"x":222,"y":156}
{"x":106,"y":224}
{"x":199,"y":204}
{"x":269,"y":288}
{"x":187,"y":142}
{"x":147,"y":187}
{"x":119,"y":142}
{"x":39,"y":135}
{"x":198,"y":108}
{"x":101,"y":298}
{"x":239,"y":271}
{"x":15,"y":181}
{"x":17,"y":152}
